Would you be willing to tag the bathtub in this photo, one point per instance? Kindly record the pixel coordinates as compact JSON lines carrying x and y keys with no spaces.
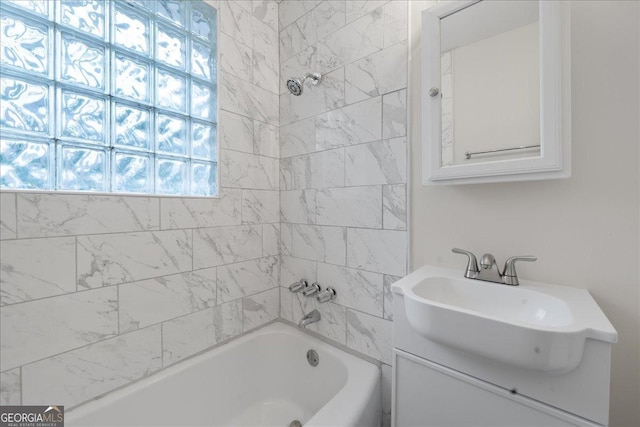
{"x":260,"y":379}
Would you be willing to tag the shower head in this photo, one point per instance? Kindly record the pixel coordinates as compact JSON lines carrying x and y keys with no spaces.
{"x":296,"y":84}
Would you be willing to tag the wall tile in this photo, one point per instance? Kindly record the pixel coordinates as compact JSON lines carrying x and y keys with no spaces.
{"x":358,"y":8}
{"x":329,"y":16}
{"x":381,"y":251}
{"x":242,"y":170}
{"x":297,"y":65}
{"x":298,"y":138}
{"x":38,"y":329}
{"x":260,"y":206}
{"x":350,"y":206}
{"x":386,"y":394}
{"x":327,"y":95}
{"x":332,"y":322}
{"x":224,"y":245}
{"x":270,"y":239}
{"x":298,"y":206}
{"x":388,"y":295}
{"x":187,"y":335}
{"x":300,"y":35}
{"x":193,"y":333}
{"x":286,"y":308}
{"x":293,"y":269}
{"x":227,"y":320}
{"x":394,"y":114}
{"x":266,"y":11}
{"x":237,"y":22}
{"x":7,"y":216}
{"x":36,"y":268}
{"x":381,"y":162}
{"x":260,"y":308}
{"x":247,"y":278}
{"x":286,"y":174}
{"x":317,"y":170}
{"x":395,"y":22}
{"x":265,"y":71}
{"x":326,"y":244}
{"x":182,"y":212}
{"x":286,"y":239}
{"x":235,"y":132}
{"x":350,"y":125}
{"x":152,"y":301}
{"x":265,"y":39}
{"x":242,"y":97}
{"x":111,"y":259}
{"x":369,"y":335}
{"x":382,"y":72}
{"x":394,"y":211}
{"x":235,"y":58}
{"x":358,"y":39}
{"x":356,"y":289}
{"x":286,"y":48}
{"x":10,"y":388}
{"x":42,"y":215}
{"x":291,"y":10}
{"x":245,"y":4}
{"x":91,"y":371}
{"x":266,"y":140}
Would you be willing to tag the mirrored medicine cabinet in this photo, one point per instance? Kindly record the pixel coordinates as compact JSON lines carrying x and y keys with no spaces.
{"x":496,"y":101}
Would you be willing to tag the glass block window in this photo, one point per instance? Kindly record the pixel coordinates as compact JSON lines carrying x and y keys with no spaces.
{"x":108,"y":96}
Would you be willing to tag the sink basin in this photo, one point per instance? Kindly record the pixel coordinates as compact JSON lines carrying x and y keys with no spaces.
{"x":533,"y":326}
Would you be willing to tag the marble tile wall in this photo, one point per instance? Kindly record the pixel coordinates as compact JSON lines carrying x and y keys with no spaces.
{"x":343,"y":167}
{"x":115,"y":288}
{"x":97,"y":291}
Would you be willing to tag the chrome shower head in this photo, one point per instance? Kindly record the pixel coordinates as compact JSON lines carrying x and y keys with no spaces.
{"x":296,"y":84}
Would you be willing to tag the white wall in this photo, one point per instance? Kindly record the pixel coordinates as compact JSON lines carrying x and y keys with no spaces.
{"x":584,"y":230}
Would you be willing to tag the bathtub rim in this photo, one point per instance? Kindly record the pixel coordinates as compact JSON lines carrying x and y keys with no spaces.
{"x":362,"y":375}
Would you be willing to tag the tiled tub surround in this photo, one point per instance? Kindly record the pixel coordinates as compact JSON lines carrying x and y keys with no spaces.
{"x":97,"y":291}
{"x":343,"y":167}
{"x":116,"y":288}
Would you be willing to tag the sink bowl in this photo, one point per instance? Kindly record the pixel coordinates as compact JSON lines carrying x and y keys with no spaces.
{"x":533,"y":326}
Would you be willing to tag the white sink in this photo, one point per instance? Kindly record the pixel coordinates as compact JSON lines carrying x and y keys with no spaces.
{"x":533,"y":326}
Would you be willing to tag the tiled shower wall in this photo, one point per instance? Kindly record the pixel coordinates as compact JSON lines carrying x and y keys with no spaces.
{"x":343,"y":166}
{"x":98,"y":291}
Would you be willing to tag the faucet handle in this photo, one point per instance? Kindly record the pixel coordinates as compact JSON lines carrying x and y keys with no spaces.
{"x":298,"y":286}
{"x":311,"y":290}
{"x":510,"y":276}
{"x":472,"y":265}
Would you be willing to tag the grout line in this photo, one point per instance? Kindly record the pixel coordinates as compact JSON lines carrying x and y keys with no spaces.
{"x":16,"y":213}
{"x":75,"y":261}
{"x":137,"y":280}
{"x":118,"y":306}
{"x":21,"y":387}
{"x":162,"y":344}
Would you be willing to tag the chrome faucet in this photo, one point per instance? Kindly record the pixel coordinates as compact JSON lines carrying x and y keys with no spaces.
{"x":489,"y":271}
{"x":309,"y":318}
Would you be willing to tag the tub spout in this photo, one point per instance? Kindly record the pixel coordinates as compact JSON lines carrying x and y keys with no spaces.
{"x":309,"y":318}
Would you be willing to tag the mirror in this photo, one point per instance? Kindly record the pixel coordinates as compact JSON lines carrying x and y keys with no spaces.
{"x":496,"y":102}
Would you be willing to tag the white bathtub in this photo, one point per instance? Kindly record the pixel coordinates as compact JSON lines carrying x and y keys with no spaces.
{"x":261,"y":379}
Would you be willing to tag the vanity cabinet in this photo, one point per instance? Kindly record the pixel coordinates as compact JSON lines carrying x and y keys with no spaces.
{"x":435,"y":384}
{"x":428,"y":394}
